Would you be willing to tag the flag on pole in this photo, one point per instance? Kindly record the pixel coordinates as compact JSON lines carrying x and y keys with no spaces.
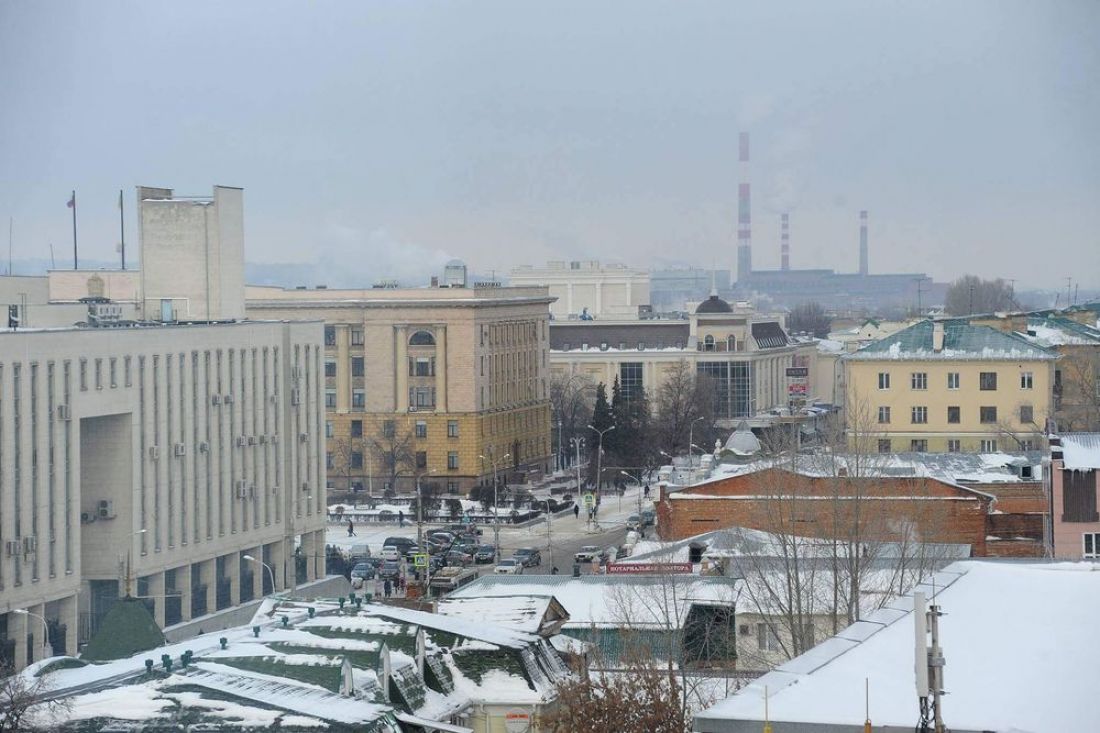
{"x":72,"y":201}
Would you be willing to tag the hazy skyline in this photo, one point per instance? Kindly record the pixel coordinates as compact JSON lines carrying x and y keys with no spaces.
{"x":385,"y":138}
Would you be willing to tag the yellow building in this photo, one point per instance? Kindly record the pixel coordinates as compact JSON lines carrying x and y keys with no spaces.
{"x":436,"y":382}
{"x":949,"y":386}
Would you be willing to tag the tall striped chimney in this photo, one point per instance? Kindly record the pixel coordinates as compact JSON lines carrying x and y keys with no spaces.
{"x":863,"y":243}
{"x":744,"y":205}
{"x":785,"y":241}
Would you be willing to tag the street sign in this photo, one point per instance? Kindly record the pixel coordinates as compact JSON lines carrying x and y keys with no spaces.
{"x":517,"y":721}
{"x":420,"y":560}
{"x":801,"y":372}
{"x":589,"y":500}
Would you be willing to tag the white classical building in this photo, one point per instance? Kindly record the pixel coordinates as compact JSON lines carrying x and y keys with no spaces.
{"x":599,"y":290}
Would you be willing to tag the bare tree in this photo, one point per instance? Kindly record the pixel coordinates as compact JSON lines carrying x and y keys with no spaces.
{"x":26,"y":703}
{"x":809,"y":318}
{"x":393,"y":448}
{"x":1077,"y":389}
{"x":684,"y":399}
{"x":571,"y":398}
{"x":971,"y":294}
{"x":344,"y":453}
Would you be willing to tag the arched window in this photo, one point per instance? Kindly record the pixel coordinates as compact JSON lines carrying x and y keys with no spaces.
{"x":731,"y":343}
{"x":422,"y":338}
{"x":708,"y":343}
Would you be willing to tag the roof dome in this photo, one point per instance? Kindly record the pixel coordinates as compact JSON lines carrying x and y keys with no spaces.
{"x":742,"y":442}
{"x":714,"y":304}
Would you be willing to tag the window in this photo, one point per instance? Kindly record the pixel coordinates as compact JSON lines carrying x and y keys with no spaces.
{"x":452,"y":460}
{"x":421,"y":459}
{"x":766,"y":640}
{"x":330,"y":335}
{"x":988,"y":414}
{"x":328,"y":428}
{"x":1079,"y":497}
{"x":989,"y":446}
{"x":954,"y":414}
{"x":356,"y":459}
{"x":708,"y":343}
{"x":918,"y":380}
{"x":422,"y":338}
{"x":918,"y":445}
{"x":884,"y":380}
{"x":452,"y":428}
{"x":356,"y":337}
{"x":330,"y":368}
{"x":422,"y":398}
{"x":1026,"y":380}
{"x":357,"y":428}
{"x":330,"y":399}
{"x":329,"y":464}
{"x":422,"y":366}
{"x":952,"y":380}
{"x":953,"y":445}
{"x":421,"y":429}
{"x":884,"y":415}
{"x":919,"y":415}
{"x":358,"y":399}
{"x":83,"y":375}
{"x":987,"y":381}
{"x":884,"y":445}
{"x":1027,"y":413}
{"x":630,"y":380}
{"x":357,"y":369}
{"x":1090,"y":544}
{"x":388,"y":428}
{"x":452,"y":487}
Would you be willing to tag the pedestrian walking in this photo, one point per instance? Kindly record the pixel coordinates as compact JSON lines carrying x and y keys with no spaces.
{"x":400,"y":519}
{"x":576,"y":511}
{"x":387,"y":588}
{"x":646,"y":493}
{"x":351,"y":528}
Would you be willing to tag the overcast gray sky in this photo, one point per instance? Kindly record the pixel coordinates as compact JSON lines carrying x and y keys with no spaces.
{"x":385,"y":138}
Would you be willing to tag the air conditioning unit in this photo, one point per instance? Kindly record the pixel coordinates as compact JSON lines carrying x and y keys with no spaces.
{"x":295,"y":397}
{"x":305,"y":486}
{"x":30,"y":544}
{"x":242,"y":490}
{"x":204,"y":447}
{"x":154,"y":452}
{"x":241,"y":441}
{"x":87,"y":517}
{"x":295,"y":372}
{"x":179,"y":449}
{"x":252,"y":440}
{"x":215,"y":399}
{"x":274,"y":490}
{"x":273,"y":398}
{"x":263,"y":440}
{"x":13,"y":547}
{"x":106,"y":509}
{"x":303,"y":437}
{"x":64,"y":412}
{"x":227,"y":399}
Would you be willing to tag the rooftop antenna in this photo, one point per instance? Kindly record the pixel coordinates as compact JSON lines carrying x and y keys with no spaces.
{"x":928,"y":663}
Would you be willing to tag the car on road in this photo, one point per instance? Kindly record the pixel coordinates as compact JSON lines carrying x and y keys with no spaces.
{"x":529,"y":556}
{"x":463,"y":528}
{"x":390,"y":570}
{"x":391,"y":552}
{"x":359,"y":553}
{"x":649,"y":517}
{"x":485,"y":553}
{"x":588,"y":553}
{"x":364,"y":570}
{"x":509,"y":566}
{"x":404,"y":545}
{"x":634,"y":522}
{"x":458,"y":557}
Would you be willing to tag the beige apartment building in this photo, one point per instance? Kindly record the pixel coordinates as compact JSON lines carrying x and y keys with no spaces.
{"x":439,"y":383}
{"x":150,"y":459}
{"x":949,"y":386}
{"x":747,"y":354}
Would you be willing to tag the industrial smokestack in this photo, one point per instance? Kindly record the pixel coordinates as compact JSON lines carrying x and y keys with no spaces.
{"x":785,"y":241}
{"x":863,"y":243}
{"x":744,"y":204}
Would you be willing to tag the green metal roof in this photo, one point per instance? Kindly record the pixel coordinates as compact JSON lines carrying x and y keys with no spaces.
{"x":961,"y":341}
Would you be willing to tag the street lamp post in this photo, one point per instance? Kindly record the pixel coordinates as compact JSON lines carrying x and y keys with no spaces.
{"x":130,"y":560}
{"x":624,"y":473}
{"x":270,"y":572}
{"x":47,"y":649}
{"x":599,"y":459}
{"x":496,"y":509}
{"x":691,"y":438}
{"x":549,"y":540}
{"x":561,"y":467}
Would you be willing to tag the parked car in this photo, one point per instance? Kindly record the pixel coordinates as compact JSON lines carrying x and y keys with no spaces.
{"x":458,"y":557}
{"x":588,"y":553}
{"x":401,"y":543}
{"x":390,"y":570}
{"x":364,"y":570}
{"x":649,"y":517}
{"x":391,"y":552}
{"x":529,"y":556}
{"x":435,"y":548}
{"x":463,"y":528}
{"x":634,"y":522}
{"x":358,"y":553}
{"x":442,"y":536}
{"x":509,"y":566}
{"x":485,"y":553}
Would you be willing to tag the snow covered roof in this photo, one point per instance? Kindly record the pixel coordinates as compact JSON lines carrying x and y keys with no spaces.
{"x":961,"y":341}
{"x":1051,"y":331}
{"x":742,"y":441}
{"x":1024,"y":665}
{"x":611,"y":601}
{"x":530,"y":614}
{"x":1080,"y":451}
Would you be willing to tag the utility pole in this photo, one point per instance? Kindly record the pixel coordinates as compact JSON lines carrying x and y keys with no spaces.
{"x":577,"y":443}
{"x":496,"y":509}
{"x":599,"y":461}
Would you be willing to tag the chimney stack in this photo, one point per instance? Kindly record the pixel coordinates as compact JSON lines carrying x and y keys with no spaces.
{"x":863,"y":243}
{"x":937,"y":336}
{"x":744,"y":205}
{"x":785,"y":241}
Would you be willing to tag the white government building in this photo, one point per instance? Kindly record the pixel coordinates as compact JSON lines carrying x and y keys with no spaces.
{"x":155,"y":444}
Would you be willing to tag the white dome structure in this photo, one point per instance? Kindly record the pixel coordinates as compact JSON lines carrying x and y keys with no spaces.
{"x":742,"y":442}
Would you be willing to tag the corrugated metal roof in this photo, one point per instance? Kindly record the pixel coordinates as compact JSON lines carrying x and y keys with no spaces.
{"x":653,"y":334}
{"x":961,"y":340}
{"x":769,"y":335}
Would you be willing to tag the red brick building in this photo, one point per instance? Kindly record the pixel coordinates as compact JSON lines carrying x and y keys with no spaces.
{"x":881,"y":508}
